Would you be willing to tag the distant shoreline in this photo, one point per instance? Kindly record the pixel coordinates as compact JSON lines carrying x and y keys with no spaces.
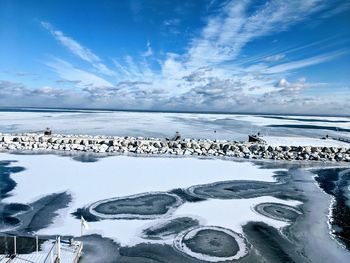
{"x":45,"y":109}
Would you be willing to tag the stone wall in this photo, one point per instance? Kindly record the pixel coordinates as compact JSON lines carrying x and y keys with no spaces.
{"x":140,"y":145}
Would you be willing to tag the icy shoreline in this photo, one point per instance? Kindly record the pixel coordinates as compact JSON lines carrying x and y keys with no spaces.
{"x":159,"y":146}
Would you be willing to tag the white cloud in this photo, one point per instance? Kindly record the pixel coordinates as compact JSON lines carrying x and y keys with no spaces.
{"x":228,"y":32}
{"x":77,"y":49}
{"x":149,"y":51}
{"x":67,"y":71}
{"x":303,"y":62}
{"x":282,"y":83}
{"x":171,"y":22}
{"x":16,"y":94}
{"x":274,"y":58}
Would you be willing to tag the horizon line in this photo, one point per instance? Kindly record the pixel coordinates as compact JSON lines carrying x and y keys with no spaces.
{"x":2,"y":108}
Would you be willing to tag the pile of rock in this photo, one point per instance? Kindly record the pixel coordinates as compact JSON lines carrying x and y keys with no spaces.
{"x":140,"y":145}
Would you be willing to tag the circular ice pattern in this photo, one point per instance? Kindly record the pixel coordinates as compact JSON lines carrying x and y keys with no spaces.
{"x":278,"y":211}
{"x":141,"y":206}
{"x":211,"y":243}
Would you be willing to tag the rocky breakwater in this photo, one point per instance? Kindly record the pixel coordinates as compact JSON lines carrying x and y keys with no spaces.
{"x":140,"y":145}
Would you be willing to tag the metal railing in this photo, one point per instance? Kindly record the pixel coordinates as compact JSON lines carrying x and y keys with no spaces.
{"x":43,"y":250}
{"x":12,"y":245}
{"x":52,"y":253}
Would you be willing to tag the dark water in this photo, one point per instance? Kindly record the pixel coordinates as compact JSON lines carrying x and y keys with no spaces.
{"x":213,"y":242}
{"x":26,"y":218}
{"x":24,"y":245}
{"x":334,"y":182}
{"x":276,"y":248}
{"x":7,"y":183}
{"x":172,"y":227}
{"x":278,"y":211}
{"x":137,"y":207}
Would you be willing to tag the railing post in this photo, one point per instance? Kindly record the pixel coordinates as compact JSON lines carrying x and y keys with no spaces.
{"x":14,"y":245}
{"x":58,"y":248}
{"x":37,"y":244}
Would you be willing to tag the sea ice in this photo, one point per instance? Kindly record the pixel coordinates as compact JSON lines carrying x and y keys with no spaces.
{"x":119,"y":176}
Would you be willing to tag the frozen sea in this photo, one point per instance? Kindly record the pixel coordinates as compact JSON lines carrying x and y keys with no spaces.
{"x":183,"y":209}
{"x":164,"y":124}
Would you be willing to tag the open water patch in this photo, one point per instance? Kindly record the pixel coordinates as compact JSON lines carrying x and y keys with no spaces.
{"x":336,"y":182}
{"x":7,"y":184}
{"x":270,"y":245}
{"x":8,"y":223}
{"x":169,"y":228}
{"x":232,"y":189}
{"x":212,"y":244}
{"x":141,"y":206}
{"x":278,"y":211}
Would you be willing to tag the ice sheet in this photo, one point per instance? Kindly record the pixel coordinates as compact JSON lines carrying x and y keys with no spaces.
{"x":160,"y":124}
{"x":119,"y":176}
{"x":303,"y":141}
{"x":340,"y":122}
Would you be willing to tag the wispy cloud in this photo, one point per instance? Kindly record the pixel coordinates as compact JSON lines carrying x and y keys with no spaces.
{"x":80,"y":77}
{"x":274,"y":58}
{"x":149,"y":51}
{"x":171,"y":22}
{"x":65,"y":81}
{"x":228,"y":32}
{"x":78,"y":50}
{"x":304,"y":62}
{"x":25,"y":74}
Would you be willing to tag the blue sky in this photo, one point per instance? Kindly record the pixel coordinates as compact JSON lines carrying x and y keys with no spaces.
{"x":199,"y":55}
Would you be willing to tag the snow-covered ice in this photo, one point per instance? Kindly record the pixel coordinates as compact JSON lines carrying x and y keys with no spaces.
{"x":119,"y":176}
{"x":340,"y":122}
{"x":303,"y":141}
{"x":162,"y":124}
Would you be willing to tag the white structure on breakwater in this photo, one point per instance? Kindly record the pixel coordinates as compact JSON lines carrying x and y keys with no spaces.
{"x":140,"y":145}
